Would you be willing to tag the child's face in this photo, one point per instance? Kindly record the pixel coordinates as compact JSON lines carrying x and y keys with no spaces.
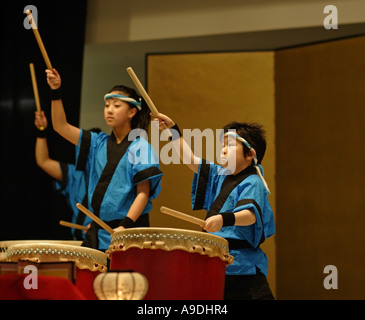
{"x":117,"y":113}
{"x":232,"y":156}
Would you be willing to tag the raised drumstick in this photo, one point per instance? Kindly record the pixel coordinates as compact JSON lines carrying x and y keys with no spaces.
{"x":142,"y":91}
{"x":145,"y":95}
{"x":183,"y":216}
{"x":35,"y":90}
{"x":95,"y":218}
{"x":73,"y":225}
{"x":39,"y":40}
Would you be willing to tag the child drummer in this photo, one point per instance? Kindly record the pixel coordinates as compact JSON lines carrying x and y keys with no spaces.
{"x":120,"y":190}
{"x":236,"y":200}
{"x":71,"y":183}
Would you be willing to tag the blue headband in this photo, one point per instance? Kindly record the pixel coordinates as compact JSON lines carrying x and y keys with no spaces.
{"x":124,"y":98}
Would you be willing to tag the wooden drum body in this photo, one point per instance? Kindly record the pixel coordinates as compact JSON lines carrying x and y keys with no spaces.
{"x":88,"y":262}
{"x":178,"y":264}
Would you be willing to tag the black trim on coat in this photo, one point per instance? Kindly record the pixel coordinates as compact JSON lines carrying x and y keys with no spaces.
{"x":64,"y":172}
{"x":146,"y":174}
{"x":80,"y":215}
{"x":202,"y":185}
{"x":115,"y":152}
{"x":84,"y":150}
{"x":249,"y":201}
{"x":229,"y":183}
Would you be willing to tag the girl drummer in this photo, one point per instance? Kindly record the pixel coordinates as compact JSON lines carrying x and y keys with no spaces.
{"x":235,"y":197}
{"x":71,"y":183}
{"x":120,"y":190}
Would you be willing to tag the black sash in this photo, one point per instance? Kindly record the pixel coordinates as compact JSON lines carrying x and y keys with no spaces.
{"x":229,"y":183}
{"x":115,"y":153}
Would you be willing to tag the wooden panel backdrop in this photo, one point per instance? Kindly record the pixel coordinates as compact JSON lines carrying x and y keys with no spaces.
{"x":320,"y":177}
{"x":209,"y":90}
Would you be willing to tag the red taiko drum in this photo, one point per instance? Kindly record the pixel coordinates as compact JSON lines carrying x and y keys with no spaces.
{"x":178,"y":264}
{"x":88,"y":262}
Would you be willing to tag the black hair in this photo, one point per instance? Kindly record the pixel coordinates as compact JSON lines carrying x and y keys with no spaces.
{"x":253,"y":133}
{"x":142,"y":118}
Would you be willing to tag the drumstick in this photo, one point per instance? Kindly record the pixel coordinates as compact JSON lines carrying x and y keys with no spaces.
{"x":39,"y":40}
{"x":182,"y":216}
{"x":142,"y":91}
{"x":95,"y":218}
{"x":145,"y":95}
{"x":35,"y":90}
{"x":73,"y":225}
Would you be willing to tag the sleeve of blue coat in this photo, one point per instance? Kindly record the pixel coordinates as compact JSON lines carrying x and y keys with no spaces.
{"x":203,"y":186}
{"x":254,"y":197}
{"x":145,"y":166}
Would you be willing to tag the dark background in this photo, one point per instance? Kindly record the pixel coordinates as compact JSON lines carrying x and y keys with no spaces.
{"x":30,"y":208}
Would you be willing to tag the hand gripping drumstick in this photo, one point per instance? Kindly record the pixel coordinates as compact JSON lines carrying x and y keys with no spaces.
{"x":39,"y":40}
{"x":182,"y":216}
{"x":95,"y":218}
{"x":35,"y":90}
{"x":73,"y":225}
{"x":145,"y":95}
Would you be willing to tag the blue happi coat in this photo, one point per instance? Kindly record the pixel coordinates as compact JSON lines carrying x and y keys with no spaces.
{"x":73,"y":188}
{"x":216,"y":192}
{"x":113,"y":172}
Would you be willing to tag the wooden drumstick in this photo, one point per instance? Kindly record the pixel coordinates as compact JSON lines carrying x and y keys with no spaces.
{"x":142,"y":91}
{"x":95,"y":218}
{"x":39,"y":40}
{"x":35,"y":90}
{"x":73,"y":225}
{"x":145,"y":95}
{"x":183,"y":216}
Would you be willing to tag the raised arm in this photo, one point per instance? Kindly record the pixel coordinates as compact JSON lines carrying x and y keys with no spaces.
{"x":186,"y":154}
{"x":59,"y":120}
{"x":48,"y":165}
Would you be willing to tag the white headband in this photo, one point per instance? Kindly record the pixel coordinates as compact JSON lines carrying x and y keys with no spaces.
{"x":123,"y":98}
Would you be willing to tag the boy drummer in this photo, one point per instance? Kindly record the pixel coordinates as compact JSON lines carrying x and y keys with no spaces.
{"x":236,"y":200}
